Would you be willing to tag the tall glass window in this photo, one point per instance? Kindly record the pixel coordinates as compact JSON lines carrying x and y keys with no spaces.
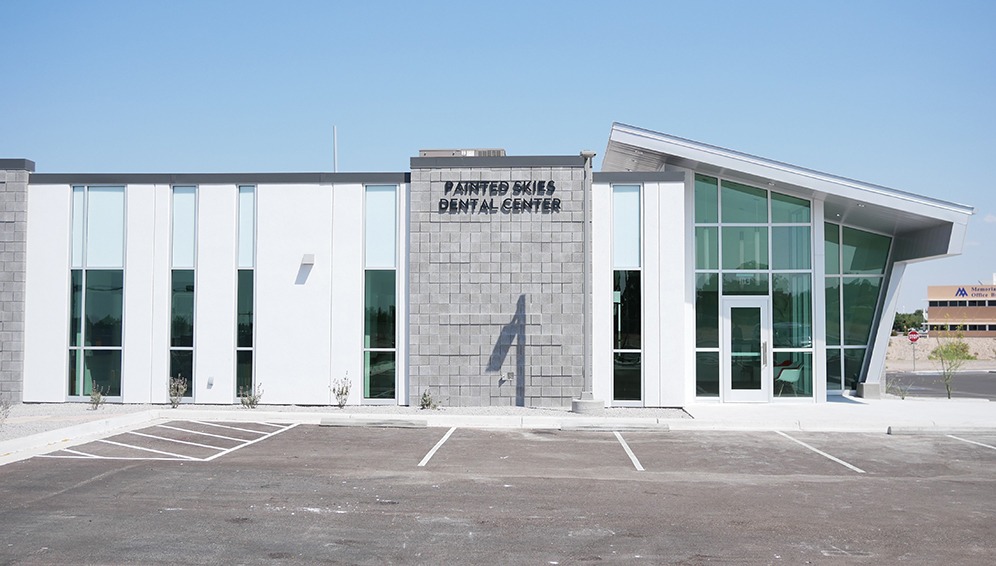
{"x":380,"y":292}
{"x":245,"y":301}
{"x":627,"y":296}
{"x":183,"y":277}
{"x":97,"y":291}
{"x":855,"y":270}
{"x":751,"y":241}
{"x":706,"y":286}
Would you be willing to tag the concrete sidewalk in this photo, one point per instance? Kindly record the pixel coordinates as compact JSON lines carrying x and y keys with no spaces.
{"x":844,"y":414}
{"x":923,"y":364}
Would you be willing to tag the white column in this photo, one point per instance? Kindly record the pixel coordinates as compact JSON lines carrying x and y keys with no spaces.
{"x":215,"y":294}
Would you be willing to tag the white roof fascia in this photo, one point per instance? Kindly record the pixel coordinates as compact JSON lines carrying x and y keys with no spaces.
{"x":785,"y":173}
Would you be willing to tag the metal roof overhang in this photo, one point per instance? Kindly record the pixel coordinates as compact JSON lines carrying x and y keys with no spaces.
{"x":922,"y":226}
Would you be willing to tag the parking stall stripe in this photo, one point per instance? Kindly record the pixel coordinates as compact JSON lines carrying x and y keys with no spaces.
{"x":244,"y":444}
{"x":436,"y":447}
{"x":78,"y":452}
{"x":822,"y":453}
{"x":971,"y":441}
{"x":231,"y":427}
{"x":175,"y":440}
{"x":632,"y":457}
{"x":146,"y":449}
{"x":131,"y":459}
{"x":201,"y":433}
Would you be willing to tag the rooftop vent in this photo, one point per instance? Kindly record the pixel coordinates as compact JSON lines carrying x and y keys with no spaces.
{"x":461,"y":153}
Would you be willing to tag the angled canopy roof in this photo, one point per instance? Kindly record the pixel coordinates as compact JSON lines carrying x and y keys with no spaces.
{"x":923,"y":227}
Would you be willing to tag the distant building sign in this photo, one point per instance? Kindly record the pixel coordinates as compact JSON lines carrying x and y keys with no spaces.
{"x":968,"y":292}
{"x":494,"y":197}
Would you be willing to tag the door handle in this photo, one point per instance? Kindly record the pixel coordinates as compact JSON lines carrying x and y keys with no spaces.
{"x":764,"y":354}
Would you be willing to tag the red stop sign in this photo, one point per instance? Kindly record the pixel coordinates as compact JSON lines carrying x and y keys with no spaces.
{"x":913,"y":335}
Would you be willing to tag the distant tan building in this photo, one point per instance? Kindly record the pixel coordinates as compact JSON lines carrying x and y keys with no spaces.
{"x":970,"y":309}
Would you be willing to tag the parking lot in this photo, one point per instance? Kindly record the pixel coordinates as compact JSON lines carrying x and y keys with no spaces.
{"x":195,"y":492}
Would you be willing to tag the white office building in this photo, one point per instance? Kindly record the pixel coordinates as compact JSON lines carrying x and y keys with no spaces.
{"x":713,"y":276}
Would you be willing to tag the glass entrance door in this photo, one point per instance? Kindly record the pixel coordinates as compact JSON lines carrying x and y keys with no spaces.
{"x":746,"y":349}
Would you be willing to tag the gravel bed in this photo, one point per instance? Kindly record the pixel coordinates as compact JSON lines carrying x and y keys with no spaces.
{"x":32,"y":418}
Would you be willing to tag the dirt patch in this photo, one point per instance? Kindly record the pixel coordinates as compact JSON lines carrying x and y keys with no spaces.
{"x":901,"y":350}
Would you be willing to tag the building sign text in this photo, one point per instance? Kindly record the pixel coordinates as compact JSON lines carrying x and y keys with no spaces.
{"x":492,"y":197}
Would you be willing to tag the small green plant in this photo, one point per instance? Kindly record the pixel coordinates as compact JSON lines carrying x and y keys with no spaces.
{"x":899,"y":386}
{"x":340,"y":388}
{"x":956,"y":349}
{"x":96,"y":397}
{"x":250,"y":396}
{"x":426,"y":402}
{"x":177,"y":388}
{"x":952,"y":353}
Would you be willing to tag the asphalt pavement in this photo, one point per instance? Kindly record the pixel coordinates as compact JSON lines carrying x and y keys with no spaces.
{"x":964,"y":384}
{"x":265,"y":493}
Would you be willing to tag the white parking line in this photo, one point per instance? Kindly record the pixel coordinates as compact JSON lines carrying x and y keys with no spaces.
{"x":200,"y":433}
{"x":632,"y":457}
{"x":123,"y":445}
{"x":971,"y":441}
{"x":436,"y":447}
{"x":133,"y":459}
{"x":822,"y":453}
{"x":174,"y":440}
{"x":78,"y":455}
{"x":230,"y":427}
{"x":234,"y":448}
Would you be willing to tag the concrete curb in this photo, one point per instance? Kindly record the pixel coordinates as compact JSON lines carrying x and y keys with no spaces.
{"x":374,"y":422}
{"x":936,"y":430}
{"x":615,"y":425}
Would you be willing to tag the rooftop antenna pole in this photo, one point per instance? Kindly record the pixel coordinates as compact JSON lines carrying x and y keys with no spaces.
{"x":335,"y":151}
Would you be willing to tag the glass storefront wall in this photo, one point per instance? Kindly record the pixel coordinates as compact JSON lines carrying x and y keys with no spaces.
{"x":96,"y":291}
{"x":184,"y":248}
{"x":246,"y":297}
{"x":627,"y":296}
{"x":753,"y":242}
{"x":855,"y":271}
{"x":626,"y":354}
{"x":380,"y":325}
{"x":181,"y":352}
{"x":380,"y":333}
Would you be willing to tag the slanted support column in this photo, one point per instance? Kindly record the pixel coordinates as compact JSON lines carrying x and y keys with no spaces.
{"x":13,"y":251}
{"x":873,"y":385}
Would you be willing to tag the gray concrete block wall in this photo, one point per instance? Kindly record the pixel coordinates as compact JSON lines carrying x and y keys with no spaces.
{"x":496,"y":299}
{"x":13,"y":249}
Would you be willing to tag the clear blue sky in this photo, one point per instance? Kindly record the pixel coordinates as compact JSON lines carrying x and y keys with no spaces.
{"x":898,"y":93}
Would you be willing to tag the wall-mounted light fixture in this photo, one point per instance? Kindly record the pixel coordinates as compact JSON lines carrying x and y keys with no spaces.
{"x":308,"y":259}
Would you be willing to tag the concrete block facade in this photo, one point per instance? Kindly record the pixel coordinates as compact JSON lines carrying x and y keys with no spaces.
{"x":13,"y":238}
{"x":496,"y":303}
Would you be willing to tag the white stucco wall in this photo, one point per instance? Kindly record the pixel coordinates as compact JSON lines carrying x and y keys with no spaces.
{"x":139,"y":282}
{"x":601,"y":291}
{"x":346,"y":352}
{"x":666,"y":343}
{"x":294,"y":301}
{"x":665,"y":308}
{"x":46,"y":322}
{"x":214,"y":294}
